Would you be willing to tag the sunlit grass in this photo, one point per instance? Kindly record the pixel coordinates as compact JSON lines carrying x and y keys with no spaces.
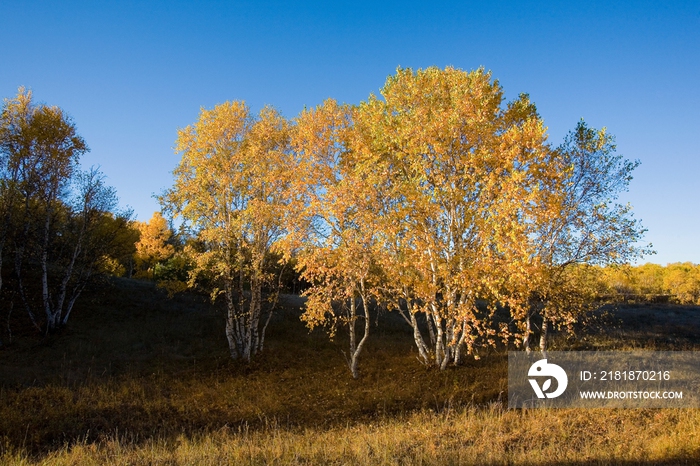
{"x":486,"y":435}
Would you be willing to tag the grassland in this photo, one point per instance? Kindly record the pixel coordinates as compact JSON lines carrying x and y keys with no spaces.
{"x":140,"y":379}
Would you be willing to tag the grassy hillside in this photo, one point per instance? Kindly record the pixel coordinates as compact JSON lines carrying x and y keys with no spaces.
{"x":137,"y":378}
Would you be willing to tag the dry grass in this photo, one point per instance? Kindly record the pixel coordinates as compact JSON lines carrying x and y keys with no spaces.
{"x":138,"y":379}
{"x":487,"y":435}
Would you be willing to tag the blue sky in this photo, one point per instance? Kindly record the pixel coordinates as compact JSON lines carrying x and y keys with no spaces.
{"x":130,"y":73}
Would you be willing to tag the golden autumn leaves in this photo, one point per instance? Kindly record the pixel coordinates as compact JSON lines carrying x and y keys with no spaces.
{"x":232,"y":185}
{"x":436,"y":200}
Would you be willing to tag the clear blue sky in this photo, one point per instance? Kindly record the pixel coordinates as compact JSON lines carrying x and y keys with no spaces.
{"x":130,"y":73}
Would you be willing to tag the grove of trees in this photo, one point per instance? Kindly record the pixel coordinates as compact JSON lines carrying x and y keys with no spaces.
{"x":438,"y":200}
{"x":649,"y":283}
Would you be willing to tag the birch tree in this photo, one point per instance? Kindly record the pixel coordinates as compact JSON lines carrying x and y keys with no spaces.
{"x":231,"y":188}
{"x":461,"y":174}
{"x":333,"y":237}
{"x":51,"y":165}
{"x":18,"y":188}
{"x":14,"y":118}
{"x":54,"y":214}
{"x":42,"y":149}
{"x":588,"y":227}
{"x":89,"y":231}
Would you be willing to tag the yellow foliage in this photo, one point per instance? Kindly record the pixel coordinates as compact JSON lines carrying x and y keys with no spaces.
{"x":153,"y":246}
{"x":111,"y":266}
{"x":232,"y":188}
{"x":683,"y":281}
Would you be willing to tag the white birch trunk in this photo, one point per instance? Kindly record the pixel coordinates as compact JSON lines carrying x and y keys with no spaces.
{"x":71,"y":302}
{"x":67,"y":276}
{"x":272,"y":308}
{"x":231,"y":333}
{"x":50,"y":316}
{"x":243,"y":332}
{"x":439,"y":341}
{"x":365,"y":335}
{"x":431,"y":329}
{"x":460,"y":343}
{"x":543,"y":336}
{"x":352,"y":315}
{"x":528,"y":332}
{"x":418,"y":338}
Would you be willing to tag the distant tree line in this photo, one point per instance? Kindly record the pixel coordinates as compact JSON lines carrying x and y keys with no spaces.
{"x":677,"y":283}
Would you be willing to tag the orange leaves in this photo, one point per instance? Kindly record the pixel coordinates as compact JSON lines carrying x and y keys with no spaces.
{"x":153,"y":244}
{"x":232,"y":184}
{"x":458,"y":165}
{"x":332,"y":233}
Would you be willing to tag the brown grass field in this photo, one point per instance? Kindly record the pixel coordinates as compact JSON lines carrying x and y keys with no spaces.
{"x":137,"y":378}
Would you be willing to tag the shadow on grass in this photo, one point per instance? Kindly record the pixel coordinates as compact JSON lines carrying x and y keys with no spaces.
{"x":134,"y":361}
